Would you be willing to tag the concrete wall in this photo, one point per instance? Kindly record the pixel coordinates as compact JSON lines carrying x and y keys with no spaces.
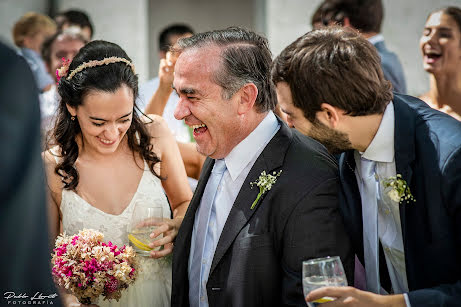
{"x":12,"y":10}
{"x":402,"y":28}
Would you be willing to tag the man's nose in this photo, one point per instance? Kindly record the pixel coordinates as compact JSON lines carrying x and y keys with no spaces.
{"x":182,"y":109}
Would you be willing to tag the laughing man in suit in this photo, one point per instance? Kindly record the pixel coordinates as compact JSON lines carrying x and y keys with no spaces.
{"x":229,"y":252}
{"x":330,"y":84}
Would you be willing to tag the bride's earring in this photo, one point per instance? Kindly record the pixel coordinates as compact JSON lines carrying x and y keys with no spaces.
{"x":72,"y":118}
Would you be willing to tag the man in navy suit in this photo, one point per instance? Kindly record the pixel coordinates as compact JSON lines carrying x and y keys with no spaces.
{"x":408,"y":235}
{"x":25,"y":261}
{"x":366,"y":17}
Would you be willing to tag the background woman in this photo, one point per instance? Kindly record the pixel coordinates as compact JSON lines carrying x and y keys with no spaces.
{"x":107,"y":159}
{"x":441,"y":48}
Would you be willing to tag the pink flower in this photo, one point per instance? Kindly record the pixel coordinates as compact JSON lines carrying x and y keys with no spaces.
{"x":61,"y":250}
{"x":81,"y":264}
{"x":111,"y":285}
{"x":74,"y":240}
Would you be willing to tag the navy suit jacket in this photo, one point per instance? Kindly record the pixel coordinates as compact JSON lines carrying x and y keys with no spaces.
{"x":392,"y":68}
{"x":428,"y":156}
{"x":25,"y":260}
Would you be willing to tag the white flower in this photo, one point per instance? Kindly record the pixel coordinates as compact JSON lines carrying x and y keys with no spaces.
{"x":264,"y":183}
{"x":394,"y":195}
{"x":397,"y":189}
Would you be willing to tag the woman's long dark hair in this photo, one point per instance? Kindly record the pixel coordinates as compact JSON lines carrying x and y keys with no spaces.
{"x":107,"y":78}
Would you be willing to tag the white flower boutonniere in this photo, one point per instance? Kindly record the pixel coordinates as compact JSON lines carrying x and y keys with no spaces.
{"x":398,"y":189}
{"x":264,"y":182}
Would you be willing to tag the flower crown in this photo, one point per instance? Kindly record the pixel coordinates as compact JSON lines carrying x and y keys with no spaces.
{"x":62,"y":72}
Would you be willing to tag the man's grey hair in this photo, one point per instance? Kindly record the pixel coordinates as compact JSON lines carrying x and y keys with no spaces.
{"x":245,"y":58}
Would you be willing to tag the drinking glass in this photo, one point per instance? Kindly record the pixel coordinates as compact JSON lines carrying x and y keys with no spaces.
{"x":322,"y":272}
{"x":145,"y":219}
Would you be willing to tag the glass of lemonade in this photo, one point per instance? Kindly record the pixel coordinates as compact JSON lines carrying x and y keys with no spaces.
{"x":145,"y":219}
{"x":323,"y":272}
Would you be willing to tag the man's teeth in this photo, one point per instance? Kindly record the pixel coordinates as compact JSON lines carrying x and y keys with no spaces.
{"x":198,"y":126}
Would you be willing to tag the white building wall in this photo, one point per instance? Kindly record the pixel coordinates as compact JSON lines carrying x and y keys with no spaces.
{"x":12,"y":10}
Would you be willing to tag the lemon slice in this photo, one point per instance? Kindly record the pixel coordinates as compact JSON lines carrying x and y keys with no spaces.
{"x":324,"y":300}
{"x":138,"y":243}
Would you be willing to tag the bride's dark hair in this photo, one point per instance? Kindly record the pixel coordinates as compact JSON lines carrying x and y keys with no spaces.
{"x":106,"y":78}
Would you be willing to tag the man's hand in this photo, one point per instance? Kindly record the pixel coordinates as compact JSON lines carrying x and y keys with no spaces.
{"x":166,"y":71}
{"x":349,"y":296}
{"x":169,"y":228}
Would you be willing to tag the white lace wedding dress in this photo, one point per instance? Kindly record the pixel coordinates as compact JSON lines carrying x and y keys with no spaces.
{"x":153,"y":285}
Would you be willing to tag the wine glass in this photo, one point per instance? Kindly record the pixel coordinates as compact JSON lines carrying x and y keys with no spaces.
{"x":322,"y":272}
{"x":145,"y":219}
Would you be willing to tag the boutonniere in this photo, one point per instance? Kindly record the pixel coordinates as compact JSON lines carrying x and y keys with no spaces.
{"x":264,"y":182}
{"x":398,"y":189}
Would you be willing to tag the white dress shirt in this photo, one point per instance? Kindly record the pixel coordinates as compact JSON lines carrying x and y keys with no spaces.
{"x":381,"y":150}
{"x":239,"y":163}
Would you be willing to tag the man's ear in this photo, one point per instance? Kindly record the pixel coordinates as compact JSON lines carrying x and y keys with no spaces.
{"x":329,"y":115}
{"x":248,"y":95}
{"x":72,"y":111}
{"x":346,"y":22}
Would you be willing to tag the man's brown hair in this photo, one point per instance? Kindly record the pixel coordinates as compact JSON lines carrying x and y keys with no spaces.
{"x":335,"y":66}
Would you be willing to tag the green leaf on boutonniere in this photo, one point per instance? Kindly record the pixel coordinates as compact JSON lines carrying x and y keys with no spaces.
{"x":398,"y":189}
{"x":265,"y":183}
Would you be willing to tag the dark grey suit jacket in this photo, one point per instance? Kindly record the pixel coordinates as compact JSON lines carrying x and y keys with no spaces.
{"x":259,"y":254}
{"x":392,"y":68}
{"x":25,"y":257}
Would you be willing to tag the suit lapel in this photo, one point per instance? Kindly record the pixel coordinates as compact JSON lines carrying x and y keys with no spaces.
{"x":404,"y":148}
{"x":183,"y":240}
{"x":269,"y":160}
{"x":351,"y":204}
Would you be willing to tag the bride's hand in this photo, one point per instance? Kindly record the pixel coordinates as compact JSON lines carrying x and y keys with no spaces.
{"x":169,"y":228}
{"x":70,"y":300}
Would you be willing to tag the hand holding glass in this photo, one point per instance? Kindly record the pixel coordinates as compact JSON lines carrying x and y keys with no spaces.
{"x":323,"y":272}
{"x":143,"y":222}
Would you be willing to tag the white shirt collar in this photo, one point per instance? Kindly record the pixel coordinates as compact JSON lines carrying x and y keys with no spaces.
{"x":245,"y":151}
{"x":376,"y":39}
{"x":381,"y":148}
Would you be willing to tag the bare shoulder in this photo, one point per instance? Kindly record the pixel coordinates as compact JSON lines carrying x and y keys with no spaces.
{"x":156,"y":126}
{"x":427,"y":99}
{"x":50,"y":158}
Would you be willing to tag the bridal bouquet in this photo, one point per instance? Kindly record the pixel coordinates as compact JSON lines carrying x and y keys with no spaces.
{"x":86,"y":266}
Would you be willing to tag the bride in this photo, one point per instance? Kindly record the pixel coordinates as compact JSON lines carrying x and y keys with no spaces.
{"x":106,"y":159}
